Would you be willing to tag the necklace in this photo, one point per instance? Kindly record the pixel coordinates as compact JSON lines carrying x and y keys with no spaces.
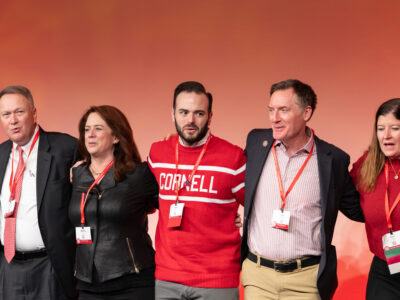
{"x":94,"y":171}
{"x":396,"y":174}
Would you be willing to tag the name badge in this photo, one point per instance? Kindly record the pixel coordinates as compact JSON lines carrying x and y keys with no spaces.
{"x":281,"y":219}
{"x":391,"y":248}
{"x":10,"y":209}
{"x":83,"y":235}
{"x":175,"y":215}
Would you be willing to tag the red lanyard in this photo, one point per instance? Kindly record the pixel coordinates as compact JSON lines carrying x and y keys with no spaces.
{"x":196,"y":166}
{"x":17,"y":177}
{"x":389,"y":210}
{"x":96,"y":181}
{"x":299,"y":172}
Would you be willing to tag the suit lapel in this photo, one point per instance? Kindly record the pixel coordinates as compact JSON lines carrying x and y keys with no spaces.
{"x":324,"y":158}
{"x":43,"y":167}
{"x":261,"y":150}
{"x":258,"y":152}
{"x":4,"y":158}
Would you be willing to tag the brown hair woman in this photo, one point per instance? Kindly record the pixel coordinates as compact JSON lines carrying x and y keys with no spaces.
{"x":113,"y":191}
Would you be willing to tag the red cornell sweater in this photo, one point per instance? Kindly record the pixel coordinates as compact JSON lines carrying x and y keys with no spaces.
{"x":205,"y":250}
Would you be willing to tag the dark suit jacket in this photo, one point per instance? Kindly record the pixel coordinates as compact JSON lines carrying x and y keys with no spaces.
{"x":56,"y":154}
{"x":337,"y":193}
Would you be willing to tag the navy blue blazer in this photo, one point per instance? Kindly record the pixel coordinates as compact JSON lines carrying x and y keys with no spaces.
{"x":337,"y":193}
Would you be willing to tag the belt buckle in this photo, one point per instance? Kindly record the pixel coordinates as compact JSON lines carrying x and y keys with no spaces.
{"x":283,"y":267}
{"x":277,"y":266}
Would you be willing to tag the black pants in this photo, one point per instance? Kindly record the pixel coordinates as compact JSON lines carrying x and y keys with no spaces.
{"x":139,"y":293}
{"x":31,"y":279}
{"x":381,"y":285}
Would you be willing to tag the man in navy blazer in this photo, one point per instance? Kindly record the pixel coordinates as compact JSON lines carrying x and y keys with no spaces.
{"x":295,"y":185}
{"x":42,"y":265}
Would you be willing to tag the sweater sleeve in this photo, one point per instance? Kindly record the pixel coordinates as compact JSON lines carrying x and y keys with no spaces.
{"x":355,"y":169}
{"x":238,"y":177}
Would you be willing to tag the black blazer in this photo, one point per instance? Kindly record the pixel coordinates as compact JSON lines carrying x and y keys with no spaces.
{"x":56,"y":154}
{"x":337,"y":193}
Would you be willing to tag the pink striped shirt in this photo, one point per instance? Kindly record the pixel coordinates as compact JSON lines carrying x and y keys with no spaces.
{"x":304,"y":203}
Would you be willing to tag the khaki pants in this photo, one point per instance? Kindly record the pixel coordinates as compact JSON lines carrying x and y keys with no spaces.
{"x":262,"y":283}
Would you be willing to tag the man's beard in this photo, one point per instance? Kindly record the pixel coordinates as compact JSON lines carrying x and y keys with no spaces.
{"x":201,"y":133}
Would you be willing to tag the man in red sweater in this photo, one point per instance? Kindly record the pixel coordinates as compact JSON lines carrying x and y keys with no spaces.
{"x":201,"y":182}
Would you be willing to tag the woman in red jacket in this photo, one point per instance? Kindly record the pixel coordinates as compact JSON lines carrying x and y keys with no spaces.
{"x":377,"y":174}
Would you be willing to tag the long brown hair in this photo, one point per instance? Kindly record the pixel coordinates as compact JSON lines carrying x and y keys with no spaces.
{"x":126,"y":154}
{"x":375,"y":159}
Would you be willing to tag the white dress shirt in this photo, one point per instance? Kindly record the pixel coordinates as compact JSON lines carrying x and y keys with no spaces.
{"x":28,"y":237}
{"x":304,"y":204}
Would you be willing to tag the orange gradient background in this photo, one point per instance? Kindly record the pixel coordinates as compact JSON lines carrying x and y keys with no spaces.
{"x":132,"y":54}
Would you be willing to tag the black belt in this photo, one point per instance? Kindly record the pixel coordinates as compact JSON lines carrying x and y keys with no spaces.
{"x":25,"y":255}
{"x":286,"y":266}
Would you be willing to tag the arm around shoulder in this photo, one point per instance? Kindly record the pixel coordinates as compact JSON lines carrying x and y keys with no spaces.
{"x":350,"y":200}
{"x":150,"y":189}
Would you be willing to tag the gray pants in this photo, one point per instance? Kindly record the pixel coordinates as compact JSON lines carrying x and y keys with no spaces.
{"x":32,"y":279}
{"x":166,"y":290}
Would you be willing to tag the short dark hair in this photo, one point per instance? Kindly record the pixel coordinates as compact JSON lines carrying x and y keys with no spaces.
{"x":192,"y":87}
{"x":18,"y":89}
{"x":126,"y":154}
{"x":304,"y":92}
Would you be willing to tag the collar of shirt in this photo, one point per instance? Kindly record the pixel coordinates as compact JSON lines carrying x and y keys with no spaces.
{"x":197,"y":144}
{"x":306,"y":148}
{"x":27,"y":146}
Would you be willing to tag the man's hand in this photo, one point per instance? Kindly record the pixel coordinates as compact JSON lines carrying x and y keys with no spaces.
{"x":238,"y":221}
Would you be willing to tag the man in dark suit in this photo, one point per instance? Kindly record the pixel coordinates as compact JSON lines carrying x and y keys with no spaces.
{"x":37,"y":239}
{"x":295,"y":185}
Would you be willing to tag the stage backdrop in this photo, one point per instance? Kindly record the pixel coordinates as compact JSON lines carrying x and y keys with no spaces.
{"x":131,"y":54}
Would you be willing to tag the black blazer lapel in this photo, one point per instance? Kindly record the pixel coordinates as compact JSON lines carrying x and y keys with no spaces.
{"x":324,"y":158}
{"x":257,"y":151}
{"x":4,"y":157}
{"x":43,"y":167}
